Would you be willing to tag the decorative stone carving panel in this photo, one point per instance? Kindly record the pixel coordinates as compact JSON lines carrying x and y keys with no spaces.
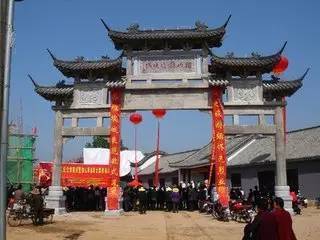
{"x":89,"y":96}
{"x":245,"y":92}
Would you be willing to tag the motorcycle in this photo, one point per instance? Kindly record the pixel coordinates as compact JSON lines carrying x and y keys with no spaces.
{"x":303,"y":201}
{"x":240,"y":211}
{"x":219,"y":212}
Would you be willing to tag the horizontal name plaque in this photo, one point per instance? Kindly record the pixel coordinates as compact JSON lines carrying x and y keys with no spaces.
{"x":168,"y":66}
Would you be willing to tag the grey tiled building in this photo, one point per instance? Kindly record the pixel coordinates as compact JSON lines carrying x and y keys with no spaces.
{"x":251,"y":161}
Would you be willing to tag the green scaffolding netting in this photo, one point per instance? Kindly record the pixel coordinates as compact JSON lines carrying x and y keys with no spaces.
{"x":20,"y":160}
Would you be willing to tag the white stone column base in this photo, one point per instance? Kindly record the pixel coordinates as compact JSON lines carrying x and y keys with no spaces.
{"x":114,"y":212}
{"x":284,"y":193}
{"x":56,"y":200}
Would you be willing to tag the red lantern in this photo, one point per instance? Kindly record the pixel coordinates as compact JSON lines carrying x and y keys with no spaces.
{"x":135,"y":118}
{"x":281,"y":65}
{"x":159,"y":113}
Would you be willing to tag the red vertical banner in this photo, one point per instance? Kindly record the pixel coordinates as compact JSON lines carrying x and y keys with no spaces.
{"x":219,"y":147}
{"x":113,"y":193}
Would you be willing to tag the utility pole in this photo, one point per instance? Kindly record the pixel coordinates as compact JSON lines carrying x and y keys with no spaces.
{"x":6,"y":31}
{"x":3,"y":39}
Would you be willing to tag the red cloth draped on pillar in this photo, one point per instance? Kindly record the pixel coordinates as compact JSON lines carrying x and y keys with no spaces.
{"x":113,"y":193}
{"x":219,"y":148}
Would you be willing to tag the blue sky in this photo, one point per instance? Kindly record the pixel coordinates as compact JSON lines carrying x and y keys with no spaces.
{"x":72,"y":28}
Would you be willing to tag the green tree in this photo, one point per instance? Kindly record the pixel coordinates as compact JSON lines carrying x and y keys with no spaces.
{"x":98,"y":142}
{"x":101,"y":142}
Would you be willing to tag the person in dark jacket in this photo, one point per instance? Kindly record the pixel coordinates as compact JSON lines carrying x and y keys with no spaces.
{"x":37,"y":206}
{"x":153,"y":198}
{"x":175,"y":198}
{"x":168,"y":199}
{"x":161,"y":196}
{"x":126,"y":200}
{"x":142,"y":197}
{"x":192,"y":198}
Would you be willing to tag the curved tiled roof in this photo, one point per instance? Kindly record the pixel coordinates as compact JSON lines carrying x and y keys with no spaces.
{"x":202,"y":156}
{"x":218,"y":82}
{"x":302,"y":144}
{"x":165,"y":161}
{"x":54,"y":93}
{"x":61,"y":91}
{"x":239,"y":66}
{"x":279,"y":87}
{"x":83,"y":68}
{"x":200,"y":33}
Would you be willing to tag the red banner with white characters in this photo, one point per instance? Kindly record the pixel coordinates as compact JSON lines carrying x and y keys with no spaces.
{"x":219,"y":147}
{"x":75,"y":175}
{"x":113,"y":193}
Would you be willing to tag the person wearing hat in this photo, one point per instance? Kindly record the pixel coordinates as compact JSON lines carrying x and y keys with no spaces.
{"x":37,"y":206}
{"x":175,"y":198}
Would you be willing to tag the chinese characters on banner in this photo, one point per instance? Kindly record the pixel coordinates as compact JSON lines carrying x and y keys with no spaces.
{"x":219,"y":147}
{"x":75,"y":175}
{"x":113,"y":193}
{"x":80,"y":175}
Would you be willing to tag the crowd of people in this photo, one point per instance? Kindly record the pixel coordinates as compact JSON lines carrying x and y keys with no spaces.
{"x":272,"y":221}
{"x":85,"y":199}
{"x":170,"y":198}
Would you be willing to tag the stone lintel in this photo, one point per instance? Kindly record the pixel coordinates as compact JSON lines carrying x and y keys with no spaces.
{"x":259,"y":129}
{"x":85,"y":131}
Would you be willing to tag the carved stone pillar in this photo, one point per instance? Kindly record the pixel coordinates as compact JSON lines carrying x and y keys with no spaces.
{"x":281,"y":189}
{"x":55,"y":199}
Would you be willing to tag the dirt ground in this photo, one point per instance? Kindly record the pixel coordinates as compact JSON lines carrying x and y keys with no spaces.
{"x":154,"y":225}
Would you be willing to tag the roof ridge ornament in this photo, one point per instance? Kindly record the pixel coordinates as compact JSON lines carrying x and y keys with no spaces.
{"x":79,"y":59}
{"x":275,"y":78}
{"x":200,"y":26}
{"x":255,"y":54}
{"x":33,"y":81}
{"x":227,"y":22}
{"x":133,"y":28}
{"x":283,"y":47}
{"x":230,"y":55}
{"x":51,"y":54}
{"x":105,"y":57}
{"x":61,"y":83}
{"x":105,"y":25}
{"x":305,"y":74}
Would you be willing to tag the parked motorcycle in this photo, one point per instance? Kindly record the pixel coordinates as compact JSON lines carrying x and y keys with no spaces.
{"x":239,"y":211}
{"x":219,"y":212}
{"x":302,"y":201}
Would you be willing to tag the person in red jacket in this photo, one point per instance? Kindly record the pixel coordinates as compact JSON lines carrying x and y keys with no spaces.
{"x":284,"y":221}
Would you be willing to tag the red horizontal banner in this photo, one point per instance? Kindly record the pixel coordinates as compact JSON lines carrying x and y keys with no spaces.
{"x":76,"y":175}
{"x":80,"y":175}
